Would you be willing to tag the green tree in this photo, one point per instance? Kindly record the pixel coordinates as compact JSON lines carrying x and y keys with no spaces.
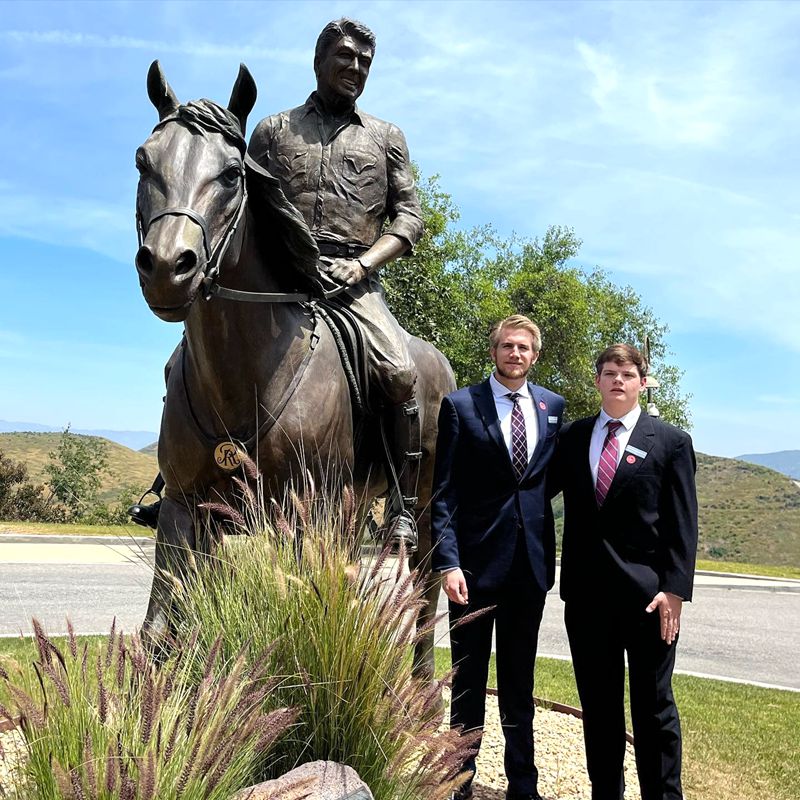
{"x":456,"y":284}
{"x":75,"y":472}
{"x":19,"y":498}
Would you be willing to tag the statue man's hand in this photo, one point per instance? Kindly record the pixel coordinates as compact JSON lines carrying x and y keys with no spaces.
{"x":346,"y":270}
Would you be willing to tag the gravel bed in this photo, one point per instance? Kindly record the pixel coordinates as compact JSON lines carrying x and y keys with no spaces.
{"x":11,"y":750}
{"x":558,"y":739}
{"x":559,"y":757}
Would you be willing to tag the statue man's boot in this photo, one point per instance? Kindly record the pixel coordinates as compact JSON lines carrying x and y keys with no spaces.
{"x":406,"y":457}
{"x":144,"y":514}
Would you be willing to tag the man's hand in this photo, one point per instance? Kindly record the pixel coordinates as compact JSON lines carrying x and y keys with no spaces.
{"x":669,"y":609}
{"x":346,"y":270}
{"x":455,"y":586}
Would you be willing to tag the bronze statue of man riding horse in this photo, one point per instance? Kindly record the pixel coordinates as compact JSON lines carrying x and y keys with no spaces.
{"x":242,"y":248}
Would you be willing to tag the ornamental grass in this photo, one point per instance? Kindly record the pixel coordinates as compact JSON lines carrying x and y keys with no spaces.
{"x":343,"y":633}
{"x":107,"y":724}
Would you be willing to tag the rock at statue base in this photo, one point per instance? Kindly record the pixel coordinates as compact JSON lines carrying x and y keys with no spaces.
{"x":318,"y":780}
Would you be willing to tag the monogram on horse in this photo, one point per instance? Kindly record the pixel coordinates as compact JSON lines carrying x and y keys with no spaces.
{"x":224,"y":252}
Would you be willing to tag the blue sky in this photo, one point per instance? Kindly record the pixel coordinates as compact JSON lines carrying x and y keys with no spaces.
{"x":665,"y":134}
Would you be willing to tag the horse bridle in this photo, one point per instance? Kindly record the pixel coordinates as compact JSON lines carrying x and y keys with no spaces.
{"x":214,"y":258}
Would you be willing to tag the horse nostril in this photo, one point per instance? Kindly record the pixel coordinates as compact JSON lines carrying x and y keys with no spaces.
{"x":187,"y":261}
{"x":144,"y":260}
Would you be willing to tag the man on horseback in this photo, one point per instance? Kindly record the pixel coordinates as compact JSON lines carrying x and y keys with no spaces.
{"x":349,"y":174}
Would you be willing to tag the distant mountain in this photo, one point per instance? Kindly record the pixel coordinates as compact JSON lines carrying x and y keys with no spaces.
{"x":785,"y":461}
{"x":135,"y":440}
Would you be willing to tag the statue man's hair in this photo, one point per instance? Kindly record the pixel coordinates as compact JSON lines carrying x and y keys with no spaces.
{"x":336,"y":30}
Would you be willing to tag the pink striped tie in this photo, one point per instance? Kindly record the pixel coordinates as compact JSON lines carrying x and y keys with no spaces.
{"x":608,"y":462}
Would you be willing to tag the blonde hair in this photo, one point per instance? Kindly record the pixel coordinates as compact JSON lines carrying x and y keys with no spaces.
{"x":517,"y":322}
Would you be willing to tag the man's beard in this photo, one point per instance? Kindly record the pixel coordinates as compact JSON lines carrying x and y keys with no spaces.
{"x":520,"y":372}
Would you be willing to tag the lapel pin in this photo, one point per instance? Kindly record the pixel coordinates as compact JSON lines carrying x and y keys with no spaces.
{"x":542,"y":405}
{"x":631,"y":459}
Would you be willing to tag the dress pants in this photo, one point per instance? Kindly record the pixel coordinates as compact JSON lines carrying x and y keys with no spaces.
{"x":519,"y":604}
{"x":598,"y":641}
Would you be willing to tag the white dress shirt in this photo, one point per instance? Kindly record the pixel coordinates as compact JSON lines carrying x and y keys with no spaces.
{"x":599,"y":433}
{"x":505,"y":406}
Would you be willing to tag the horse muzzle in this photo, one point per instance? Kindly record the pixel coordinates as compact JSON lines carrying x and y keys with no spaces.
{"x":171,"y":270}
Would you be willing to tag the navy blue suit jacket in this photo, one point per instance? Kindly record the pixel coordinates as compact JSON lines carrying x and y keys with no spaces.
{"x":644,"y":538}
{"x":478,"y":503}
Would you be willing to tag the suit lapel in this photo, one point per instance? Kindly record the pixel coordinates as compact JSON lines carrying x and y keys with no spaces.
{"x":642,"y":438}
{"x":541,"y":409}
{"x":484,"y":403}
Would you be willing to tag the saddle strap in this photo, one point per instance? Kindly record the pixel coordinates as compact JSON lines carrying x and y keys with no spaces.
{"x":347,"y":366}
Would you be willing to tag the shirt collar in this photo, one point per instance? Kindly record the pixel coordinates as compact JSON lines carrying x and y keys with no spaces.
{"x":628,"y":420}
{"x":313,"y":105}
{"x":498,"y":390}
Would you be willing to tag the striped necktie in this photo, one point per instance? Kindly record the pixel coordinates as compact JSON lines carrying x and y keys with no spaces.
{"x":519,"y":438}
{"x":608,"y":462}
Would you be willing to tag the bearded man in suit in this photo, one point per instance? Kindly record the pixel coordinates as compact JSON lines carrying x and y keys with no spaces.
{"x":494,"y":540}
{"x":627,"y":566}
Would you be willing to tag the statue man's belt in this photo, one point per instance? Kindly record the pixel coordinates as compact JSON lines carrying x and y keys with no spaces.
{"x":341,"y":249}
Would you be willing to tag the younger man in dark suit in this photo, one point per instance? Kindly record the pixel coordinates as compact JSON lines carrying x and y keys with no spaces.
{"x":494,"y":539}
{"x":627,"y":565}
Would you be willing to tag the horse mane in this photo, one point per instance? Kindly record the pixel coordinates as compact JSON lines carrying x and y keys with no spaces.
{"x":282,"y":232}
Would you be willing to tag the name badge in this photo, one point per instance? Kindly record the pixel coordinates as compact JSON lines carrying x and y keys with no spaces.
{"x":636,"y":451}
{"x":551,"y":420}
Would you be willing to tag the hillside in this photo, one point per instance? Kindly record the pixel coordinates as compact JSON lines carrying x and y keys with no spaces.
{"x":785,"y":461}
{"x":747,"y":512}
{"x":127,"y":466}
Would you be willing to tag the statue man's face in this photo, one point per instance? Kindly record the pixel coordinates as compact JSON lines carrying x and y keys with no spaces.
{"x":343,"y":70}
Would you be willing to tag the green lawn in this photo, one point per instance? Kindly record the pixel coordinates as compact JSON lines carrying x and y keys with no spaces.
{"x":75,"y":529}
{"x":740,"y":742}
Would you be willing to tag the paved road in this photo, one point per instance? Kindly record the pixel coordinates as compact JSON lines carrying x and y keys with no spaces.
{"x":740,"y":628}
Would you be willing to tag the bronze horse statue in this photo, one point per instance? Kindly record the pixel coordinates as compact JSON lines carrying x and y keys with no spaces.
{"x":256,"y":367}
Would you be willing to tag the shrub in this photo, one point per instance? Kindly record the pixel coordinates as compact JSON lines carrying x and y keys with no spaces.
{"x":343,"y":633}
{"x":109,"y":725}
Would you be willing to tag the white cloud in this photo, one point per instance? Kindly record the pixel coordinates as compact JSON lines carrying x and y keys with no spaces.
{"x":192,"y":47}
{"x":101,"y":226}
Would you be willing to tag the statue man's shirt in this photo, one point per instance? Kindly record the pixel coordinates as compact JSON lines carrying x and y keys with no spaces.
{"x":345,"y":176}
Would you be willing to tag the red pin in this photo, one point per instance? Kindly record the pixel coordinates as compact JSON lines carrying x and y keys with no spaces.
{"x":542,"y":405}
{"x":631,"y":459}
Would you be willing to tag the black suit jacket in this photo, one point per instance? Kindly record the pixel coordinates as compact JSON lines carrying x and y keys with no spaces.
{"x":644,"y":538}
{"x":478,"y":504}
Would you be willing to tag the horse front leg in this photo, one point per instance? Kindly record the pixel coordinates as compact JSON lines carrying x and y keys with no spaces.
{"x":175,"y":537}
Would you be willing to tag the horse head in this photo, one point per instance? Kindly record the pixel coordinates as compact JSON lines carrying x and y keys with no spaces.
{"x":191,"y":195}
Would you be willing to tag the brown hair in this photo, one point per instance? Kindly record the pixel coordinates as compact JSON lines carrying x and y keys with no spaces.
{"x":517,"y":321}
{"x":619,"y":354}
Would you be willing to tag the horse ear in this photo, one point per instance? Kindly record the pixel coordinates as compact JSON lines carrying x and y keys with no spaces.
{"x":243,"y":96}
{"x":160,"y":92}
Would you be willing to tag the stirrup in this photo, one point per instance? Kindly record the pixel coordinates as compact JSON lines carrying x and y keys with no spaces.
{"x":401,"y":528}
{"x":144,"y":514}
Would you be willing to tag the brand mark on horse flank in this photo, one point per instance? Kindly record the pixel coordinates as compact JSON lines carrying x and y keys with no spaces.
{"x":229,"y":455}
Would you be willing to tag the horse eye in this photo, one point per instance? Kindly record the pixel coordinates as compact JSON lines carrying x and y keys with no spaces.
{"x":232,"y":175}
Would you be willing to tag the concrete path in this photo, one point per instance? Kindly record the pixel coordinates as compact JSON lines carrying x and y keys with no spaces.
{"x":738,"y":627}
